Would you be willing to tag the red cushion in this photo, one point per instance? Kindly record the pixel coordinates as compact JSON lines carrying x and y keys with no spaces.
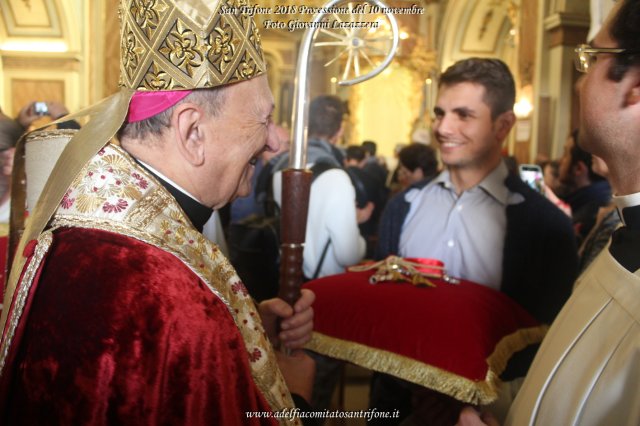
{"x":455,"y":339}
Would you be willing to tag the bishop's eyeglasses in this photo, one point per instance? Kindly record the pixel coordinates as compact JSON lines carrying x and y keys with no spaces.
{"x":586,"y":55}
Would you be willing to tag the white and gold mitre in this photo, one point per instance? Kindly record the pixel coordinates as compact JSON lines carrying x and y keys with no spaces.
{"x":166,"y":45}
{"x":187,"y":44}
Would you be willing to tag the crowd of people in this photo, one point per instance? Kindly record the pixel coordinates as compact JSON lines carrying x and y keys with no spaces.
{"x":121,"y":310}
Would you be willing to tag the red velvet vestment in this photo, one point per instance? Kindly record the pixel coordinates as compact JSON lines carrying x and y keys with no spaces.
{"x":116,"y":330}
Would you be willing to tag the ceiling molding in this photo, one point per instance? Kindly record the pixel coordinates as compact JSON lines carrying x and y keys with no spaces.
{"x":473,"y":28}
{"x":564,"y":19}
{"x":31,"y":19}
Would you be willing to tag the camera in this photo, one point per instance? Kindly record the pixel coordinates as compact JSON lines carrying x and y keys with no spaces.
{"x":40,"y":108}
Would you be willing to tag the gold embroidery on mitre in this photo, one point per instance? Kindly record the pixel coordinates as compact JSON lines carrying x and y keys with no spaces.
{"x":132,"y":203}
{"x":187,"y":44}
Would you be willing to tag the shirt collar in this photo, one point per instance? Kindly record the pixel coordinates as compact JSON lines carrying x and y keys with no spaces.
{"x":197,"y":213}
{"x":493,"y":183}
{"x":629,"y":209}
{"x":167,"y":180}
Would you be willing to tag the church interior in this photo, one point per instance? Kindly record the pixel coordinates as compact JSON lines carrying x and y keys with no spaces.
{"x":67,"y":51}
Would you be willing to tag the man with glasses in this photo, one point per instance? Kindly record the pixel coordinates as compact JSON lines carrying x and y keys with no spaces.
{"x":586,"y":371}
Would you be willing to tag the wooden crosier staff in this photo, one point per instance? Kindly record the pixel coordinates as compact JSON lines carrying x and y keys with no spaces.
{"x":296,"y":180}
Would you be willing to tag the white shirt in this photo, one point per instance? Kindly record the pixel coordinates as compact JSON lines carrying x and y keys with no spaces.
{"x":332,"y":215}
{"x":466,"y":232}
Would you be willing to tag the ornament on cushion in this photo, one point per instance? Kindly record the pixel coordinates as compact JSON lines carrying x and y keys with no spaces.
{"x":414,"y":271}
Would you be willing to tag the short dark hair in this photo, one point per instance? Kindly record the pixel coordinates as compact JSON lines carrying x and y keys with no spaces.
{"x":325,"y":116}
{"x":493,"y":74}
{"x":625,"y":29}
{"x":355,"y":152}
{"x":580,"y":155}
{"x":420,"y":156}
{"x":371,"y":147}
{"x":555,"y":167}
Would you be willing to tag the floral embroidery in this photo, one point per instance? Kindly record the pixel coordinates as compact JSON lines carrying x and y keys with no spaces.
{"x":157,"y":79}
{"x":255,"y":355}
{"x":67,"y":201}
{"x":222,"y":47}
{"x":110,"y":187}
{"x":130,"y":54}
{"x":144,"y":12}
{"x":181,"y":48}
{"x":238,"y":287}
{"x":115,"y":208}
{"x":246,"y":69}
{"x":141,"y":182}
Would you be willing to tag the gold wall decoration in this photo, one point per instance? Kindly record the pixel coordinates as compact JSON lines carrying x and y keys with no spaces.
{"x":34,"y":18}
{"x":475,"y":28}
{"x":485,"y":27}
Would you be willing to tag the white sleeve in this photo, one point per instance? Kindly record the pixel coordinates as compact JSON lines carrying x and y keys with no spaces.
{"x":339,"y":205}
{"x":277,"y":187}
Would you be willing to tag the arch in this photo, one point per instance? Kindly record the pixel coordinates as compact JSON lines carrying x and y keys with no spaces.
{"x":474,"y":28}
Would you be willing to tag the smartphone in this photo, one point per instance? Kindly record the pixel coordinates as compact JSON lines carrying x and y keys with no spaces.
{"x":40,"y":108}
{"x":532,"y":175}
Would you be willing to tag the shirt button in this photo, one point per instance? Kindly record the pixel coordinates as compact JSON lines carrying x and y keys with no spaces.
{"x":459,"y":208}
{"x":451,"y":243}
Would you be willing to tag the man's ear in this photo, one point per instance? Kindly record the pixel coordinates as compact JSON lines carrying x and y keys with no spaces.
{"x":633,"y":91}
{"x":187,"y":120}
{"x":580,"y":169}
{"x":504,"y":123}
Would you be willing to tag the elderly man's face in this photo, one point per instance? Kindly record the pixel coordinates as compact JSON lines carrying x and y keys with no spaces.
{"x":239,"y":134}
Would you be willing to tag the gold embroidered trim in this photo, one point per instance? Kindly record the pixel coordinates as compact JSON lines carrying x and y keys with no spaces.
{"x":175,"y":45}
{"x":429,"y":376}
{"x":42,"y":246}
{"x":129,"y":197}
{"x":148,"y":208}
{"x":43,"y":135}
{"x":267,"y":375}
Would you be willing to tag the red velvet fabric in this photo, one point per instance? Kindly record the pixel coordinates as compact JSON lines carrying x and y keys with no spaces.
{"x":4,"y":241}
{"x":452,"y":327}
{"x":120,"y":332}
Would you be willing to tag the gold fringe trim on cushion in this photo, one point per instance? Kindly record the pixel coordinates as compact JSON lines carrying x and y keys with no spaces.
{"x":463,"y":389}
{"x":512,"y":343}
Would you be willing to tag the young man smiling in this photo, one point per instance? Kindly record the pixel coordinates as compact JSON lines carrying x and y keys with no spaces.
{"x":485,"y":224}
{"x":586,"y":372}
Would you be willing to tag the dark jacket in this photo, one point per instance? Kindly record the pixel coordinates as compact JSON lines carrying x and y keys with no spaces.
{"x":540,"y":259}
{"x":585,"y":203}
